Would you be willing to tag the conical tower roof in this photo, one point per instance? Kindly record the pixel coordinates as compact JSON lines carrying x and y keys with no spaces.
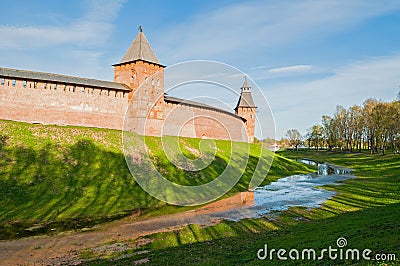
{"x":140,"y":49}
{"x":246,"y":99}
{"x":245,"y":83}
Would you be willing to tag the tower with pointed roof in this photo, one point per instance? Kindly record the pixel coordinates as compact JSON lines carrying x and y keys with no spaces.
{"x":246,"y":109}
{"x":140,"y":69}
{"x":138,"y":65}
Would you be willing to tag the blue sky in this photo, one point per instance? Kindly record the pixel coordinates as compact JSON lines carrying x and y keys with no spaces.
{"x":305,"y":56}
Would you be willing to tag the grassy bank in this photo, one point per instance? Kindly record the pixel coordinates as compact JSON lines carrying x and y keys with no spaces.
{"x":56,"y":178}
{"x":365,"y":211}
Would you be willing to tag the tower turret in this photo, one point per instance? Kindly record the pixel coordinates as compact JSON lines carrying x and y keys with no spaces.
{"x":138,"y":65}
{"x":246,"y":109}
{"x":140,"y":69}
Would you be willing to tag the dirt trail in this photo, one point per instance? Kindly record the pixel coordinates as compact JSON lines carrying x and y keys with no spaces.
{"x":65,"y":249}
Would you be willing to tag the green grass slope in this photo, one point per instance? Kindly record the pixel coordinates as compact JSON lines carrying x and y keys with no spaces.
{"x":365,"y":211}
{"x":73,"y":177}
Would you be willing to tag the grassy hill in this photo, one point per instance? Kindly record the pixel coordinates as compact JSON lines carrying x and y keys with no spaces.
{"x":365,"y":212}
{"x":60,"y":178}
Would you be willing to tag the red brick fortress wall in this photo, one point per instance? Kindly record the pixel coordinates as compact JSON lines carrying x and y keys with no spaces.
{"x":62,"y":104}
{"x":172,"y":119}
{"x":201,"y":122}
{"x":103,"y":104}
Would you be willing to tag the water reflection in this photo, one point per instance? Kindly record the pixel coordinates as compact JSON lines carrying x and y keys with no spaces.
{"x":300,"y":190}
{"x":295,"y":190}
{"x":307,"y":161}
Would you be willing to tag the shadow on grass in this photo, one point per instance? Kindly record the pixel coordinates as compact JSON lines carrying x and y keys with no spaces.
{"x":237,"y":243}
{"x":68,"y":177}
{"x":64,"y":187}
{"x":53,"y":187}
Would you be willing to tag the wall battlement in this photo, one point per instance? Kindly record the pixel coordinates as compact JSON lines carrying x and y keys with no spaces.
{"x":136,"y":97}
{"x":45,"y":98}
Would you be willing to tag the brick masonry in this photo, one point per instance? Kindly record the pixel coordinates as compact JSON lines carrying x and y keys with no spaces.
{"x":61,"y":104}
{"x":149,"y":113}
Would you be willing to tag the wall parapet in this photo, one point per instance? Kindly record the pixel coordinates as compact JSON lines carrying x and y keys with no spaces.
{"x":61,"y":79}
{"x":178,"y":101}
{"x":46,"y":98}
{"x":39,"y":97}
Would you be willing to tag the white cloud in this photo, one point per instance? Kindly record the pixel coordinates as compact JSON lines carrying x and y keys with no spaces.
{"x":258,"y":25}
{"x":291,"y":69}
{"x":94,"y":28}
{"x":262,"y":67}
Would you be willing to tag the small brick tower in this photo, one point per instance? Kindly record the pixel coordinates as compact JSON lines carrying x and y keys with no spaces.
{"x":138,"y":65}
{"x":246,"y":109}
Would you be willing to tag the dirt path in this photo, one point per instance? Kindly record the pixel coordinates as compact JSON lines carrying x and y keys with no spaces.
{"x":65,"y":249}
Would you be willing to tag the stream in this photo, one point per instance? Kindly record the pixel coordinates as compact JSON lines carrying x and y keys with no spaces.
{"x":302,"y":190}
{"x":299,"y":190}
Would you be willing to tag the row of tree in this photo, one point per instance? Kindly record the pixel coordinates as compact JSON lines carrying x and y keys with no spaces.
{"x":374,"y":125}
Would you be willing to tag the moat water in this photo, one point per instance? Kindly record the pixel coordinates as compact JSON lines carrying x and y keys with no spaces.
{"x":299,"y":190}
{"x":303,"y":190}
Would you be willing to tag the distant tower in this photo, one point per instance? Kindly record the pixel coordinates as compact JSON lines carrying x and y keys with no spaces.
{"x":246,"y":109}
{"x":138,"y":65}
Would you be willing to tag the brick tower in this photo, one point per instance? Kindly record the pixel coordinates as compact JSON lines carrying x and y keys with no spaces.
{"x":138,"y":65}
{"x":140,"y":68}
{"x":246,"y":109}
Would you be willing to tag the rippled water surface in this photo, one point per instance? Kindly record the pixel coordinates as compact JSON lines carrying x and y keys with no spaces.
{"x":296,"y":190}
{"x":291,"y":191}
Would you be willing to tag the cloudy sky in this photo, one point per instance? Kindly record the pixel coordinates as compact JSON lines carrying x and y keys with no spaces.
{"x":305,"y":56}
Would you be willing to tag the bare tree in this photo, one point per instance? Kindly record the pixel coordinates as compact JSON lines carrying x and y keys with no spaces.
{"x":329,"y":131}
{"x":370,"y":123}
{"x":374,"y":125}
{"x":355,"y":124}
{"x":294,"y":137}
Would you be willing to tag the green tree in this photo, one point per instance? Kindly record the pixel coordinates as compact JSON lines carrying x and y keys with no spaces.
{"x":316,"y":137}
{"x":374,"y":125}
